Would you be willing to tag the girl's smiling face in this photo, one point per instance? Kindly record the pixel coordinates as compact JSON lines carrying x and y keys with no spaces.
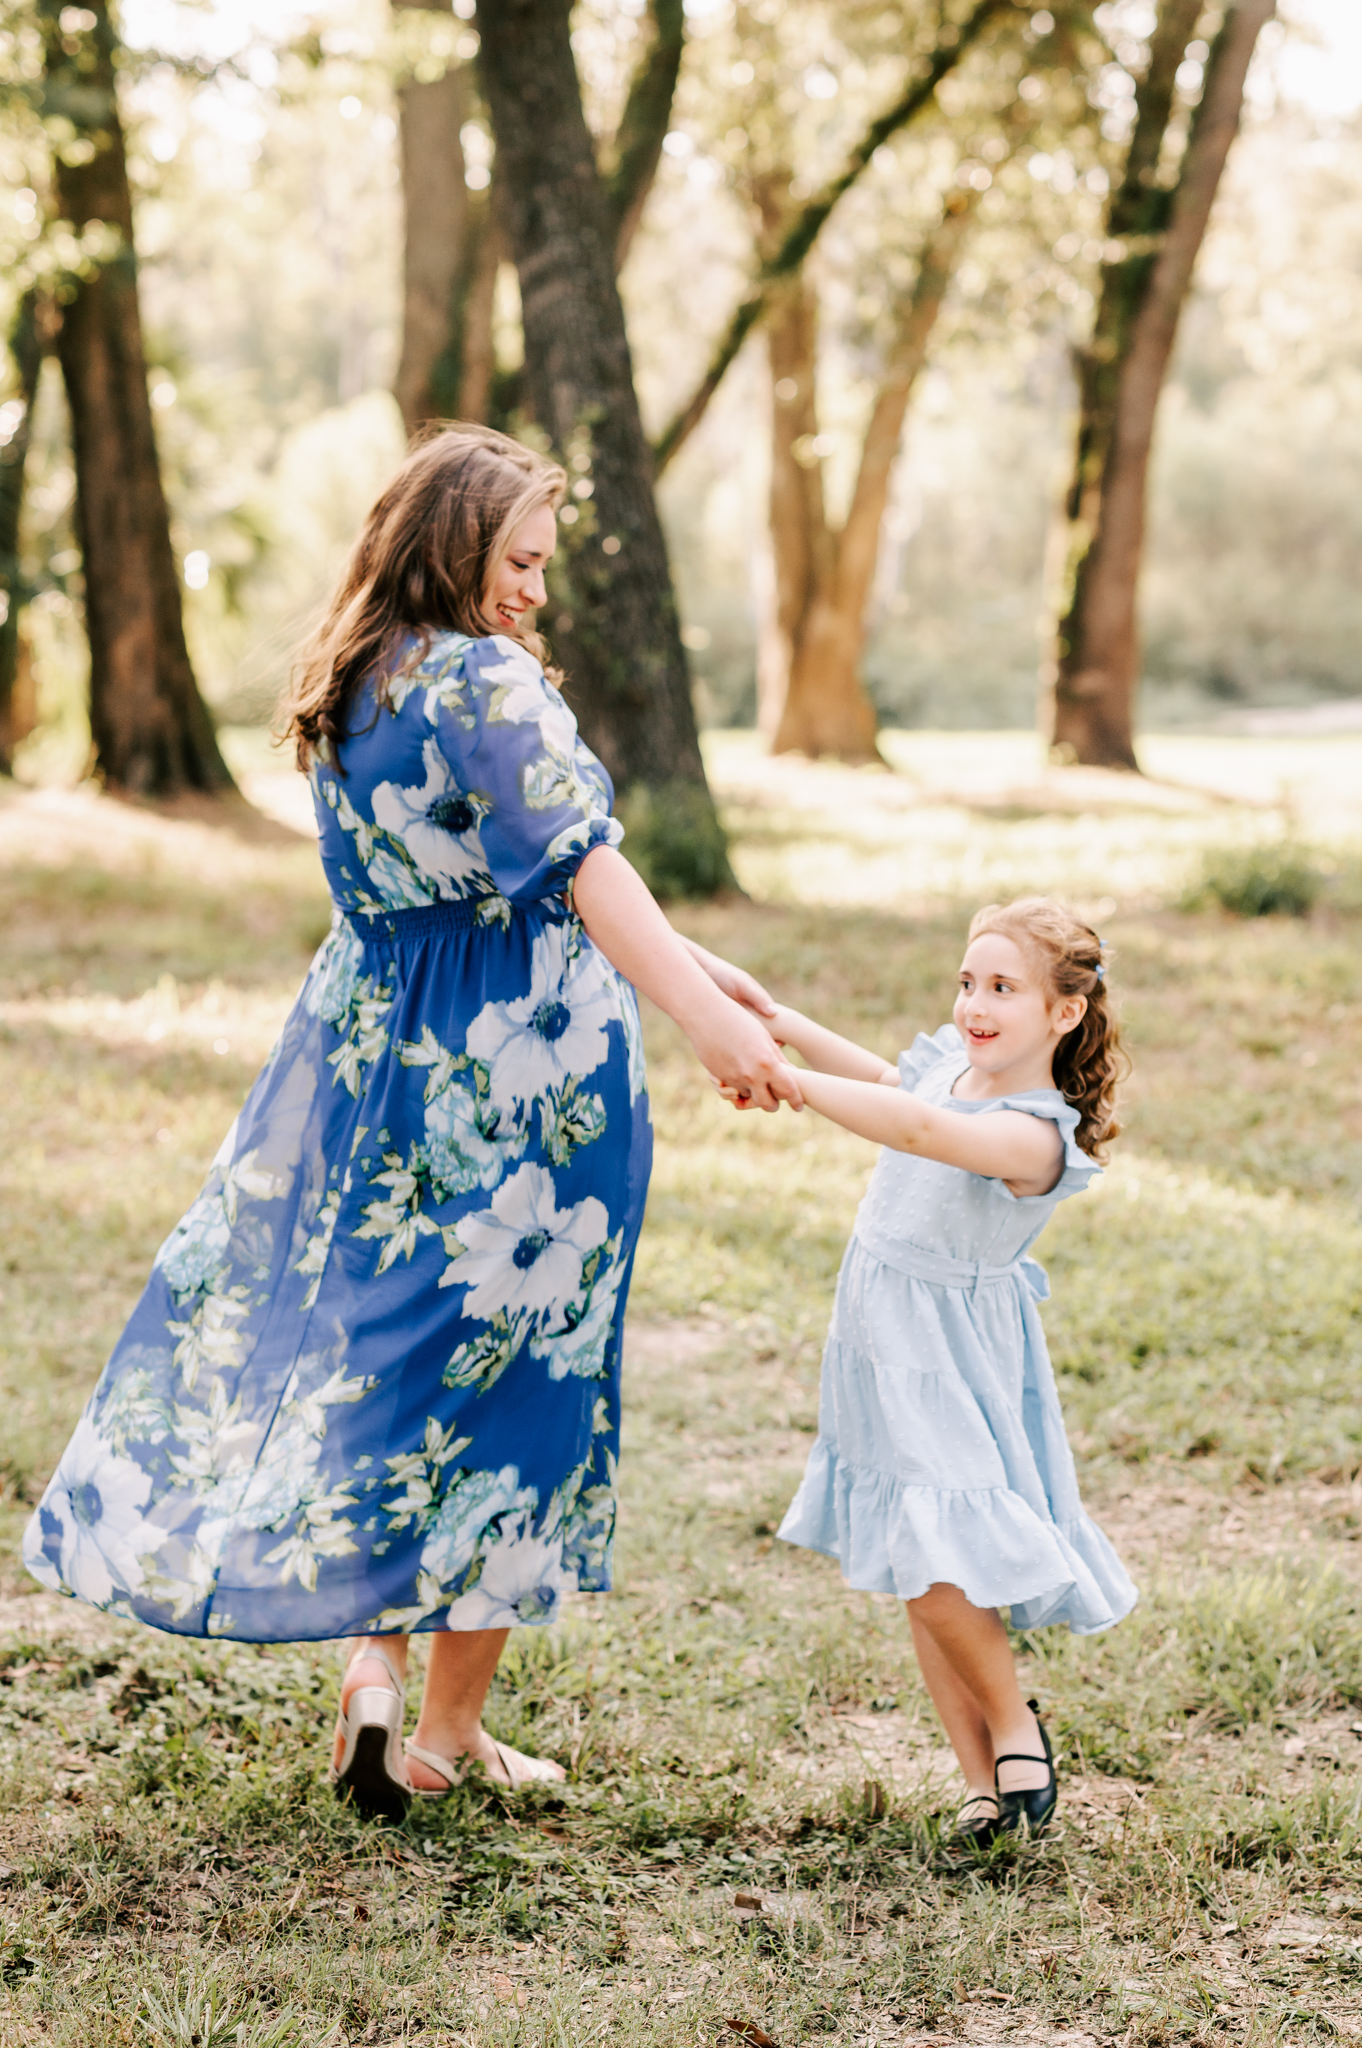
{"x":1004,"y":1012}
{"x":517,"y":583}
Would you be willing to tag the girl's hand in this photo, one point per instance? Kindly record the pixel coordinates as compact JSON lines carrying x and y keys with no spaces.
{"x":740,"y":1099}
{"x":735,"y":982}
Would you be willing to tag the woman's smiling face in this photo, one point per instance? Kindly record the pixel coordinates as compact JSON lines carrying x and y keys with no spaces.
{"x":1003,"y":1010}
{"x":517,"y":585}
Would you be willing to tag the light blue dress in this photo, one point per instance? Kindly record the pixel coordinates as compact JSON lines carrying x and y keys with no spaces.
{"x":373,"y":1380}
{"x":941,"y":1455}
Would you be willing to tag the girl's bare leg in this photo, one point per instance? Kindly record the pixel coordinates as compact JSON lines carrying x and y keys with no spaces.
{"x":961,"y":1714}
{"x":973,"y":1645}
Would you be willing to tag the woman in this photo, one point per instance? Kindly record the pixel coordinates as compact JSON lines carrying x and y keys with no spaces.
{"x":372,"y":1386}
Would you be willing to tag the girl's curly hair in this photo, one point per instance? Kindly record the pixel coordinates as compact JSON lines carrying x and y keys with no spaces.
{"x":1090,"y":1061}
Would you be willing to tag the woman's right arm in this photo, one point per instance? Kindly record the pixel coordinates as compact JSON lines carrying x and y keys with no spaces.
{"x":622,"y":917}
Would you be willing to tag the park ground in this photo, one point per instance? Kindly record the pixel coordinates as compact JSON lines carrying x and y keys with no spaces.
{"x":749,"y":1845}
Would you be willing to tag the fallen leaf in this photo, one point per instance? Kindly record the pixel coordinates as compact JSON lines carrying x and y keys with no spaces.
{"x":748,"y":1902}
{"x":750,"y":2031}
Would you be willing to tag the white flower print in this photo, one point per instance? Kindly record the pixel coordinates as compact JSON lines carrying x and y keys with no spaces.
{"x":465,"y":1144}
{"x":438,"y":823}
{"x":474,"y":1501}
{"x":561,"y":777}
{"x":521,"y":693}
{"x":318,"y":1248}
{"x":194,"y":1256}
{"x":330,"y":986}
{"x":532,"y":1045}
{"x":93,"y":1515}
{"x":397,"y":882}
{"x":583,"y":1350}
{"x":524,"y":1255}
{"x":633,"y":1033}
{"x":210,"y":1335}
{"x":588,"y":1516}
{"x":522,"y":1580}
{"x":418,"y":1472}
{"x":366,"y":1035}
{"x":585,"y":831}
{"x":462,"y":1156}
{"x":286,"y":1485}
{"x":133,"y":1411}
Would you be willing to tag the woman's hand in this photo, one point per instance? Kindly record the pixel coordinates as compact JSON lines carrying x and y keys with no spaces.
{"x":745,"y":1063}
{"x":735,"y":982}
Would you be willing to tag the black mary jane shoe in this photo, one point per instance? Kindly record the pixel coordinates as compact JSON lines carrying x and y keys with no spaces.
{"x":1037,"y":1803}
{"x":978,"y":1830}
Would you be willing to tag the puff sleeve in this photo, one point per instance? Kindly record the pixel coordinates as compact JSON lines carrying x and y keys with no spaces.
{"x":543,"y":798}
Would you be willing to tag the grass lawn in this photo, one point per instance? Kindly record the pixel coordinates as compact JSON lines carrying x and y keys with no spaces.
{"x":749,"y":1843}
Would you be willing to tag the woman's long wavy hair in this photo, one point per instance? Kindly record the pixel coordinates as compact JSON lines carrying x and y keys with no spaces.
{"x":423,"y":564}
{"x":1090,"y":1061}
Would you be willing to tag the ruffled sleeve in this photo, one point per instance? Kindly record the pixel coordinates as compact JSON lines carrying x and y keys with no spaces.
{"x":513,"y":742}
{"x":1079,"y":1169}
{"x":926,"y":1052}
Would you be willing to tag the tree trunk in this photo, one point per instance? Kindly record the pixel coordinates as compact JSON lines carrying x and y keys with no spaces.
{"x":26,"y":350}
{"x":629,"y":681}
{"x":784,"y":258}
{"x":486,"y":251}
{"x":798,"y":521}
{"x":431,"y":114}
{"x":152,"y":731}
{"x":826,"y":709}
{"x":637,"y":147}
{"x":1121,"y":374}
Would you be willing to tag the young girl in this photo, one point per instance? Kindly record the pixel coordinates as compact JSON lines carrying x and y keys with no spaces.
{"x":941,"y":1471}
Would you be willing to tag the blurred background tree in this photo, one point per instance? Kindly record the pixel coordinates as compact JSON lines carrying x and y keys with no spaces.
{"x":264,"y":164}
{"x":1158,"y":217}
{"x":151,"y":730}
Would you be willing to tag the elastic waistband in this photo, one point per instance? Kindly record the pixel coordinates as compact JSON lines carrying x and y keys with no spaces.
{"x":428,"y":920}
{"x":940,"y":1270}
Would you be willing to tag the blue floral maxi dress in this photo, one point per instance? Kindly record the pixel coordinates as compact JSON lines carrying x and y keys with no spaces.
{"x":373,"y":1381}
{"x":941,"y":1456}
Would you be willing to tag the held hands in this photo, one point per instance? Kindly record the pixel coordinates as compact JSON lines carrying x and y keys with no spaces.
{"x":741,"y":1054}
{"x":783,"y":1080}
{"x":746,"y":1065}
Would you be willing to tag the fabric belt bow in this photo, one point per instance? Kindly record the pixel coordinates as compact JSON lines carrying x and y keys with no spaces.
{"x":940,"y":1270}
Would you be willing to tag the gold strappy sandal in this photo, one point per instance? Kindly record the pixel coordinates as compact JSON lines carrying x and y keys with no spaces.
{"x":372,"y":1770}
{"x":520,"y":1770}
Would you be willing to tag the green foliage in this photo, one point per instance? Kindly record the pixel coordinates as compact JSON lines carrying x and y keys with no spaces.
{"x":1277,"y":878}
{"x":674,"y":839}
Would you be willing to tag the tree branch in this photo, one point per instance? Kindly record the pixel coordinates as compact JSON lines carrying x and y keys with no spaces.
{"x":643,"y":124}
{"x":806,"y":226}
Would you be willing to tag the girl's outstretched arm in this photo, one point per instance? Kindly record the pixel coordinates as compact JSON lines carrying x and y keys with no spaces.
{"x":825,"y":1052}
{"x":1025,"y":1152}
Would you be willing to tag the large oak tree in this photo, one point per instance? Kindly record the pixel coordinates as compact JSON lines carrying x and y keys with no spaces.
{"x":617,"y":631}
{"x":152,"y":731}
{"x":1156,"y":224}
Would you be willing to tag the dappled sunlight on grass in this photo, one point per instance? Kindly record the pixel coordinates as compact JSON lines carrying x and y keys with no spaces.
{"x":970,"y":818}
